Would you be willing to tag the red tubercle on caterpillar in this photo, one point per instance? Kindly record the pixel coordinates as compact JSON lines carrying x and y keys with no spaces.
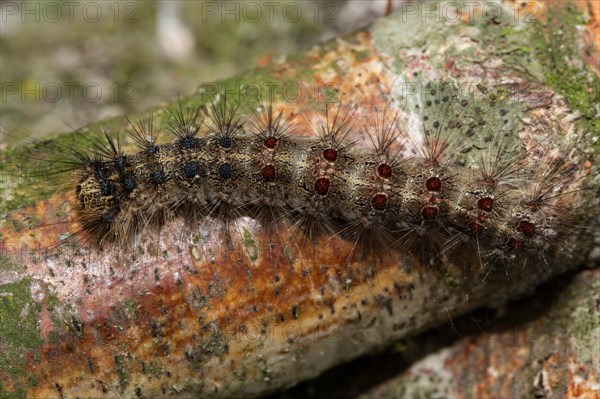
{"x":433,"y":184}
{"x":475,"y":227}
{"x":268,"y":173}
{"x":322,"y":185}
{"x":270,"y":142}
{"x":527,"y":228}
{"x":385,"y":171}
{"x":430,"y":199}
{"x":379,"y":201}
{"x":429,"y":212}
{"x":330,"y":155}
{"x":485,"y":204}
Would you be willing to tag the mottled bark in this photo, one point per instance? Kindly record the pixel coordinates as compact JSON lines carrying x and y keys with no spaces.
{"x":187,"y":316}
{"x":546,"y":346}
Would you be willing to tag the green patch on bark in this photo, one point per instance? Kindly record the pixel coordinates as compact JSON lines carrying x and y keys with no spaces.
{"x":7,"y":265}
{"x":130,"y":310}
{"x":32,"y":171}
{"x":250,"y":246}
{"x":123,"y":371}
{"x":19,"y":330}
{"x":18,"y":394}
{"x":564,"y":69}
{"x":583,"y":321}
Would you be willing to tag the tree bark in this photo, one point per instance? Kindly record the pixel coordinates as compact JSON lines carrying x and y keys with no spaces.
{"x":545,"y":346}
{"x":183,"y":318}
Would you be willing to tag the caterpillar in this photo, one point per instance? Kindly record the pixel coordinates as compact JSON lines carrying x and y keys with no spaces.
{"x":415,"y":192}
{"x":452,"y":177}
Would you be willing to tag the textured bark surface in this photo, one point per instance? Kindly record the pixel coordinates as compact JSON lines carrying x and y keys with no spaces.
{"x":545,"y":347}
{"x":184,"y":315}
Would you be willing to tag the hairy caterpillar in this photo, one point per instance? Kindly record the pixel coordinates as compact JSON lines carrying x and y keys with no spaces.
{"x":169,"y":303}
{"x":190,"y":241}
{"x":418,"y":193}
